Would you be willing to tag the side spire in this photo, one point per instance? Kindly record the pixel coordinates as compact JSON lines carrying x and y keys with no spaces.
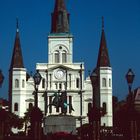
{"x":17,"y":60}
{"x":60,"y":18}
{"x":103,"y":57}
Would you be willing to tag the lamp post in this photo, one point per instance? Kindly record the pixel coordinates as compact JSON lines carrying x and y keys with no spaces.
{"x":133,"y":124}
{"x":36,"y":113}
{"x":37,"y":79}
{"x":130,"y":78}
{"x":95,"y":110}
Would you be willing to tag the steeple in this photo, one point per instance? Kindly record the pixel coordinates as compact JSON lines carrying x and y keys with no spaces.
{"x":103,"y":57}
{"x":17,"y":60}
{"x":60,"y":18}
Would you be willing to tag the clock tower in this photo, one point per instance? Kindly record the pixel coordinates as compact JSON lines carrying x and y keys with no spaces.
{"x":60,"y":41}
{"x":61,"y":74}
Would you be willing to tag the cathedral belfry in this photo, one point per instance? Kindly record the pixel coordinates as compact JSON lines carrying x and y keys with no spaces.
{"x":60,"y":39}
{"x":60,"y":76}
{"x":17,"y":78}
{"x":105,"y":80}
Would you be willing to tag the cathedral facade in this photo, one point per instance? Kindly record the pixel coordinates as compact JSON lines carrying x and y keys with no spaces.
{"x":60,"y":75}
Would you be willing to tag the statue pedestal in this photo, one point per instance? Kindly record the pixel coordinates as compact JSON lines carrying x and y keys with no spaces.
{"x":59,"y":123}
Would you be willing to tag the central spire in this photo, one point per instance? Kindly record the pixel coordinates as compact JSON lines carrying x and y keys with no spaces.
{"x":60,"y":18}
{"x":59,"y":5}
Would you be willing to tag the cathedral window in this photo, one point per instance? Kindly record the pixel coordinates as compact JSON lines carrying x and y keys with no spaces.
{"x":16,"y":107}
{"x":64,"y":57}
{"x":56,"y":85}
{"x":16,"y":83}
{"x":43,"y":83}
{"x":60,"y":47}
{"x":30,"y":105}
{"x":50,"y":80}
{"x":109,"y":82}
{"x":77,"y":83}
{"x":70,"y":80}
{"x":104,"y":82}
{"x":104,"y":107}
{"x":57,"y":57}
{"x":60,"y":86}
{"x":23,"y":83}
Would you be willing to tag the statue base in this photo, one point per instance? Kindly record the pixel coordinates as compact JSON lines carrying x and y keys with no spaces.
{"x":59,"y":123}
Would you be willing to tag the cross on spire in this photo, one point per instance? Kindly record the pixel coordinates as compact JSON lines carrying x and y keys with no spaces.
{"x":17,"y":25}
{"x":102,"y":23}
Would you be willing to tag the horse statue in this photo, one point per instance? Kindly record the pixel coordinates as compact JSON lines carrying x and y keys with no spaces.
{"x":60,"y":101}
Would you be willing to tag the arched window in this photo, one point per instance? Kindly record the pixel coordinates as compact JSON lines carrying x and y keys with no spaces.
{"x":43,"y":83}
{"x":30,"y":105}
{"x":69,"y":80}
{"x":50,"y":75}
{"x":109,"y":82}
{"x":23,"y":83}
{"x":56,"y":57}
{"x":77,"y":82}
{"x":104,"y":82}
{"x":16,"y":83}
{"x":64,"y":57}
{"x":56,"y":85}
{"x":60,"y":86}
{"x":104,"y":107}
{"x":16,"y":107}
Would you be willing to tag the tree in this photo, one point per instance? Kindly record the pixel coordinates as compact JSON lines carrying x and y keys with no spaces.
{"x":10,"y":120}
{"x":27,"y":119}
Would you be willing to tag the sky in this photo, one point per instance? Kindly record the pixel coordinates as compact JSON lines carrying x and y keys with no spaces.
{"x":122,"y":30}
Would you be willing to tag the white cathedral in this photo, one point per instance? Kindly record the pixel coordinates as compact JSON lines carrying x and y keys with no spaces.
{"x":60,"y":74}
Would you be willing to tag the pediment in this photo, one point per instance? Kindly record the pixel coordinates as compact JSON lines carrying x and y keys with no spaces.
{"x":60,"y":66}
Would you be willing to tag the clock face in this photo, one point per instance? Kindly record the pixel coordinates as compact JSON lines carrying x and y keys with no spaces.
{"x":59,"y":74}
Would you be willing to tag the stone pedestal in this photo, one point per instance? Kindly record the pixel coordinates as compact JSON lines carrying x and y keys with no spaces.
{"x":59,"y":123}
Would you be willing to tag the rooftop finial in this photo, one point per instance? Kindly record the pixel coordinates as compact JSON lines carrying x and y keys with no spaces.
{"x":17,"y":25}
{"x":102,"y":23}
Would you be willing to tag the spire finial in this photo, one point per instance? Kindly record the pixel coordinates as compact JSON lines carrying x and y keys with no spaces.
{"x":17,"y":26}
{"x":102,"y":23}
